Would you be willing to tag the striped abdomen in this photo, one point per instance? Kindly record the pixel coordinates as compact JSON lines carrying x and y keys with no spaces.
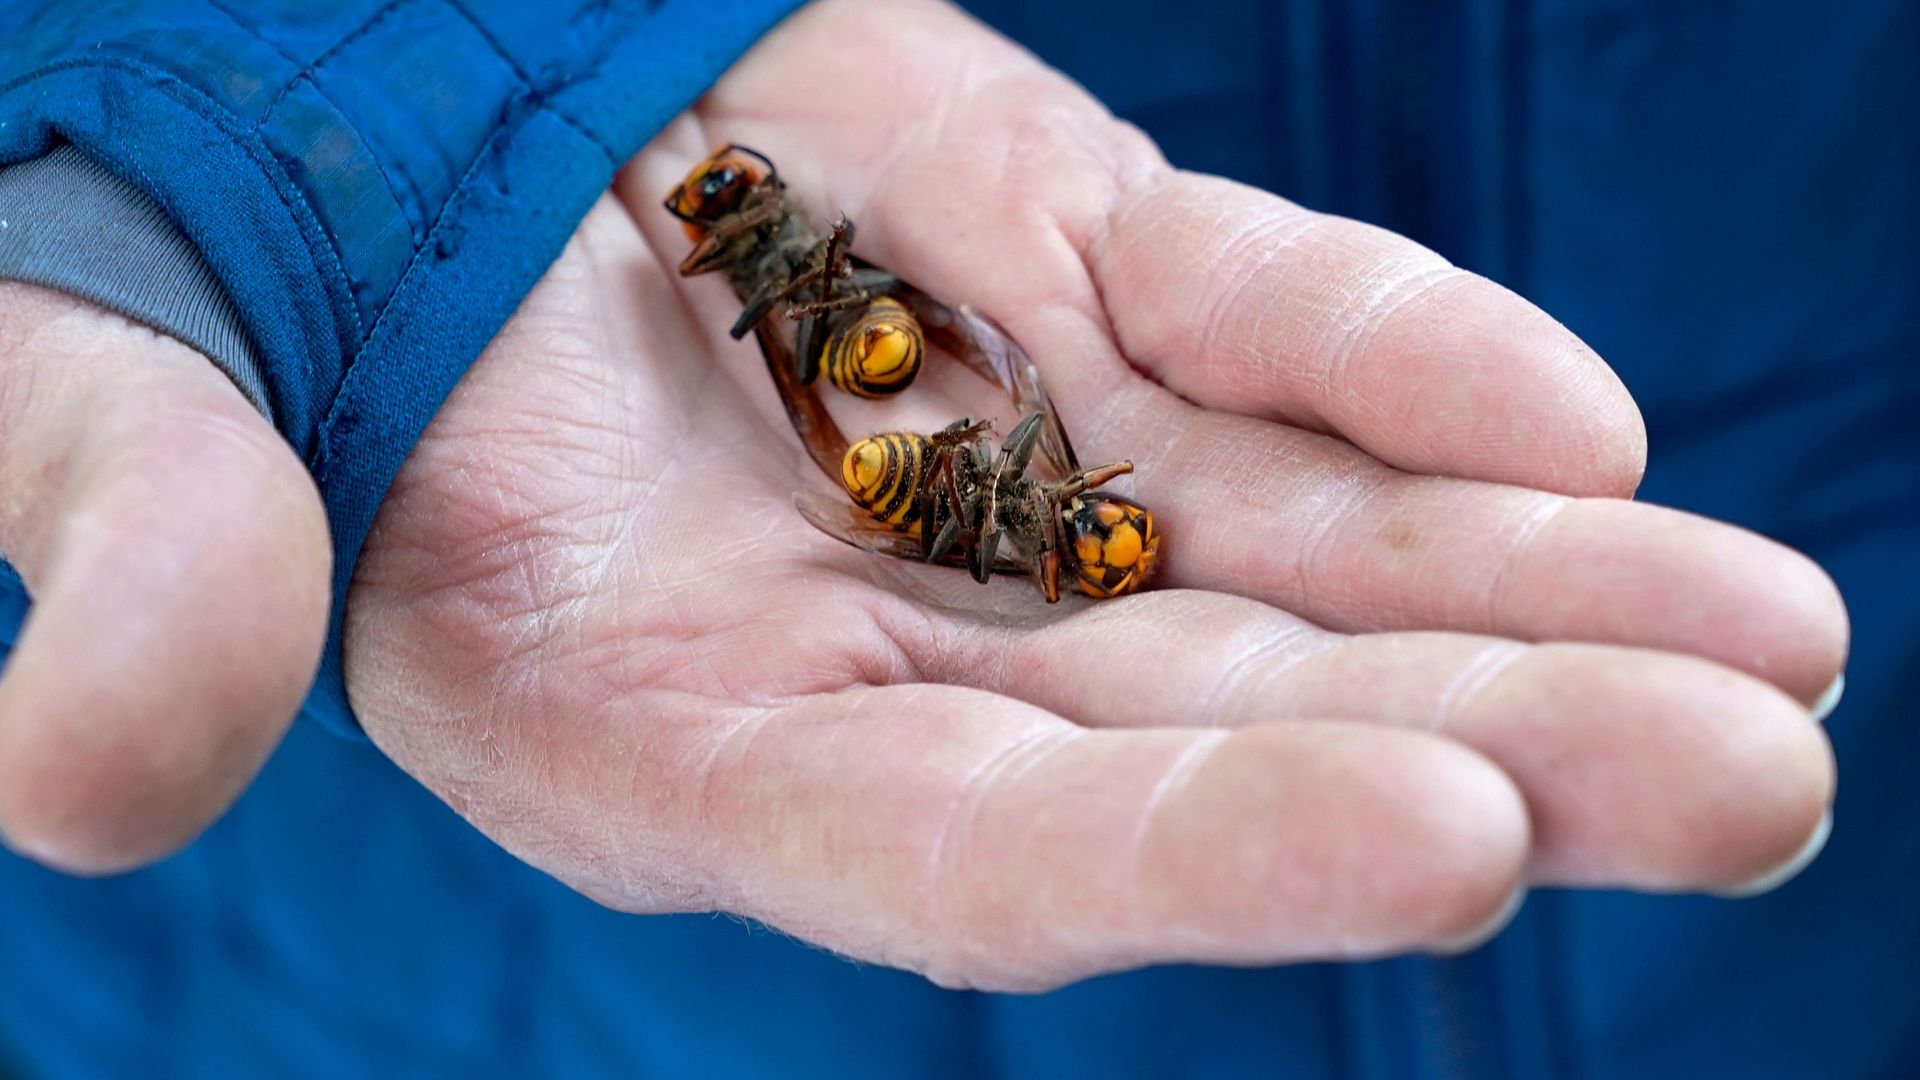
{"x":877,"y":352}
{"x":884,"y":472}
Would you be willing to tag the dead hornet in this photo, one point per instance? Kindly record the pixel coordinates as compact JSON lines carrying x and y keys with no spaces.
{"x":868,"y":328}
{"x":737,"y":211}
{"x":983,"y":511}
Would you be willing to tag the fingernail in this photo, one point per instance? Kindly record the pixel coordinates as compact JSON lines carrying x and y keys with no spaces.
{"x":1485,"y":932}
{"x":1788,"y":870}
{"x":1830,"y":700}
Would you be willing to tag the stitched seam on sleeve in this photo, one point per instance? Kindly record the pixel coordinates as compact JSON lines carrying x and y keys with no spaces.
{"x":541,"y":94}
{"x":321,"y":464}
{"x":254,"y":32}
{"x":415,"y":212}
{"x":400,"y":184}
{"x":333,"y":50}
{"x":404,"y":188}
{"x":326,"y":260}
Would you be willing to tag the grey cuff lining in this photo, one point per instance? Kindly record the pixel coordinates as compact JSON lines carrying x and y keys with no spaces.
{"x":69,"y":224}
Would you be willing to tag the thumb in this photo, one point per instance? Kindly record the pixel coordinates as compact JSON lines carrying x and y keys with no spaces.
{"x":177,"y":555}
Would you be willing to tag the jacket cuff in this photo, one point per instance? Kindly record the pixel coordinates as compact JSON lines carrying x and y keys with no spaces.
{"x":69,"y":224}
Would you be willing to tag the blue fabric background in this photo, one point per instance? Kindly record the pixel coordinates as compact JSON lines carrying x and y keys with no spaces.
{"x":1725,"y":200}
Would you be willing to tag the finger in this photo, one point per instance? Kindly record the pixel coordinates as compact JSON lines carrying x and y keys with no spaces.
{"x":1640,"y":769}
{"x":987,"y":843}
{"x":1310,"y":524}
{"x":1241,"y":301}
{"x":977,"y":839}
{"x":991,"y":180}
{"x":177,"y":556}
{"x":1307,"y":524}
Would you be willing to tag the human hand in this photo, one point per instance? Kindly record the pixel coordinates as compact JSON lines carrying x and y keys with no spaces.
{"x":590,"y":619}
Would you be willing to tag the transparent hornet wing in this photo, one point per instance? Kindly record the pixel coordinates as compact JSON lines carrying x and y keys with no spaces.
{"x":851,"y":525}
{"x":825,"y":442}
{"x":989,"y":352}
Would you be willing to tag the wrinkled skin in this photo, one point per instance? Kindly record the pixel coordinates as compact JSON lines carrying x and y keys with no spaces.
{"x":1410,"y":652}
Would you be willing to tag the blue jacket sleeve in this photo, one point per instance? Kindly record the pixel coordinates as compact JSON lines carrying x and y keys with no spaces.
{"x":376,"y":182}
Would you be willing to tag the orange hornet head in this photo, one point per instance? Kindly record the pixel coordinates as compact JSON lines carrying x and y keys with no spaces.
{"x":1114,"y":543}
{"x":718,"y":186}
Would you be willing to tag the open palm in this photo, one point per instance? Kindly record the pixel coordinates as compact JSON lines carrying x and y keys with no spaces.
{"x":591,"y":619}
{"x":1409,"y":653}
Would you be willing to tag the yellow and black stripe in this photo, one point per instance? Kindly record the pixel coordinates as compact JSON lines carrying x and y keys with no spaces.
{"x":876,"y":353}
{"x":884,"y":472}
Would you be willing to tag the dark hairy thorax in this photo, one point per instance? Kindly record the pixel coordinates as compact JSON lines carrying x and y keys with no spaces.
{"x":773,"y":253}
{"x":1020,"y":506}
